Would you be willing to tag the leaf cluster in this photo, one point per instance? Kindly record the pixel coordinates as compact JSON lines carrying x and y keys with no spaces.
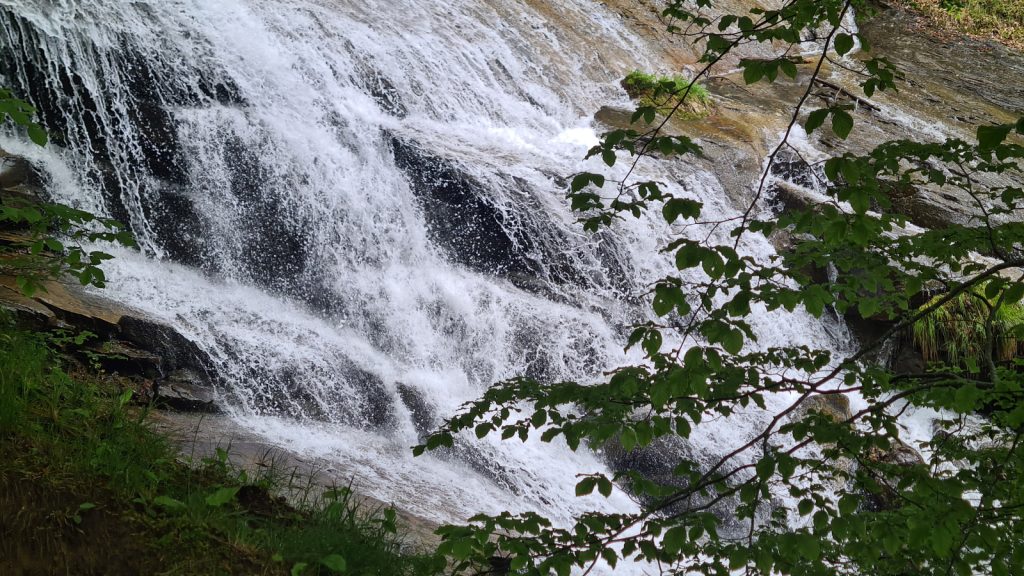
{"x":816,"y":492}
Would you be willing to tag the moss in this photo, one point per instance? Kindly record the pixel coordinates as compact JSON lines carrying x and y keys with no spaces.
{"x":955,"y":332}
{"x":667,"y":93}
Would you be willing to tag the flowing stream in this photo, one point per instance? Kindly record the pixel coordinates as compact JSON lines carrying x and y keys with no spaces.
{"x":357,"y":209}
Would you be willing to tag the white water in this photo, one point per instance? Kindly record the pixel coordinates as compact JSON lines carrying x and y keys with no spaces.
{"x":302,"y":156}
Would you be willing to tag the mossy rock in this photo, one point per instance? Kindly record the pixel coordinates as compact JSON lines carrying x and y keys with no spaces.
{"x":882,"y":495}
{"x":688,"y":99}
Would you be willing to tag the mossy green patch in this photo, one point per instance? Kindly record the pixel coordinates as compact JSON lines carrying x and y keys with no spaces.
{"x":666,"y":94}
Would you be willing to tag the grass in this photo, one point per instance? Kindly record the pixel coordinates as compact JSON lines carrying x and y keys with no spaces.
{"x":665,"y":92}
{"x":87,"y":488}
{"x":1002,"y":20}
{"x":956,"y":332}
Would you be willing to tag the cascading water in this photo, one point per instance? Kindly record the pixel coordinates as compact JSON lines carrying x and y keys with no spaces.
{"x":357,"y":210}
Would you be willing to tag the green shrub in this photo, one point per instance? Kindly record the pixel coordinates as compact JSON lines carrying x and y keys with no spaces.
{"x":957,"y":332}
{"x":665,"y":93}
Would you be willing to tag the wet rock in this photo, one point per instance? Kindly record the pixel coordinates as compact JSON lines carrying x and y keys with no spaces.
{"x":423,"y":417}
{"x":26,"y":310}
{"x":657,"y":462}
{"x":16,"y":171}
{"x":879,"y":489}
{"x":835,"y":406}
{"x":67,"y":305}
{"x":176,"y":351}
{"x":177,"y":225}
{"x":185,"y":391}
{"x":277,"y":244}
{"x":908,"y":359}
{"x":470,"y":229}
{"x":116,"y":357}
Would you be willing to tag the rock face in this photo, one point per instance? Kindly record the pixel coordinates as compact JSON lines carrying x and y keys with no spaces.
{"x":129,"y":345}
{"x":170,"y":369}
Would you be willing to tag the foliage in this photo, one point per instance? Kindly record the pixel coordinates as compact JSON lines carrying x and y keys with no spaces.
{"x":78,"y":438}
{"x":1001,"y":19}
{"x":815,"y":494}
{"x":959,"y":331}
{"x":668,"y":94}
{"x":48,"y":239}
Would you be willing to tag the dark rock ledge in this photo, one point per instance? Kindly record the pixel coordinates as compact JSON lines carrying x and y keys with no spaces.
{"x":152,"y":358}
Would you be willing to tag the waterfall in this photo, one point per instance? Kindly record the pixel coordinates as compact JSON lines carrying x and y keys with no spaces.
{"x":357,"y":209}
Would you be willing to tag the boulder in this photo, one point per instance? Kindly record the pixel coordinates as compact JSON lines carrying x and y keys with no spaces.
{"x":130,"y":345}
{"x":119,"y":358}
{"x":835,"y":406}
{"x":26,"y":310}
{"x":176,"y":351}
{"x":185,"y":391}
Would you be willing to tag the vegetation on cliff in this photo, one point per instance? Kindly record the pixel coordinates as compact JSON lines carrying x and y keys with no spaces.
{"x":999,"y":19}
{"x":959,"y":331}
{"x":667,"y":95}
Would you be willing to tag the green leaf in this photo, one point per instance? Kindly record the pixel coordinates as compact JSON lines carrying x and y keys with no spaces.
{"x":1014,"y":293}
{"x":816,"y":119}
{"x":809,"y":547}
{"x":732,"y":341}
{"x":334,"y":563}
{"x":586,"y":486}
{"x":843,"y":43}
{"x":674,"y":539}
{"x":842,"y":123}
{"x":765,"y":468}
{"x":37,"y":134}
{"x":788,"y":68}
{"x":677,"y":207}
{"x":299,"y":568}
{"x":168,"y":503}
{"x":582,"y":180}
{"x":848,"y":504}
{"x":222,"y":496}
{"x":608,"y":156}
{"x":753,"y":70}
{"x":991,"y":136}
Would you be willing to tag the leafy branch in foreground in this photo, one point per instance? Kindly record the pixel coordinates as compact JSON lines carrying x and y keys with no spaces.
{"x":813,"y":491}
{"x":44,"y":240}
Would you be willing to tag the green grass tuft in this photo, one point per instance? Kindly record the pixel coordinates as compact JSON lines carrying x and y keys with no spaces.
{"x":956,"y":332}
{"x":665,"y":92}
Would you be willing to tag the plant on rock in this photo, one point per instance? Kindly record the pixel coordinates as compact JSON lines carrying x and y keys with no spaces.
{"x":960,"y":331}
{"x":668,"y":94}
